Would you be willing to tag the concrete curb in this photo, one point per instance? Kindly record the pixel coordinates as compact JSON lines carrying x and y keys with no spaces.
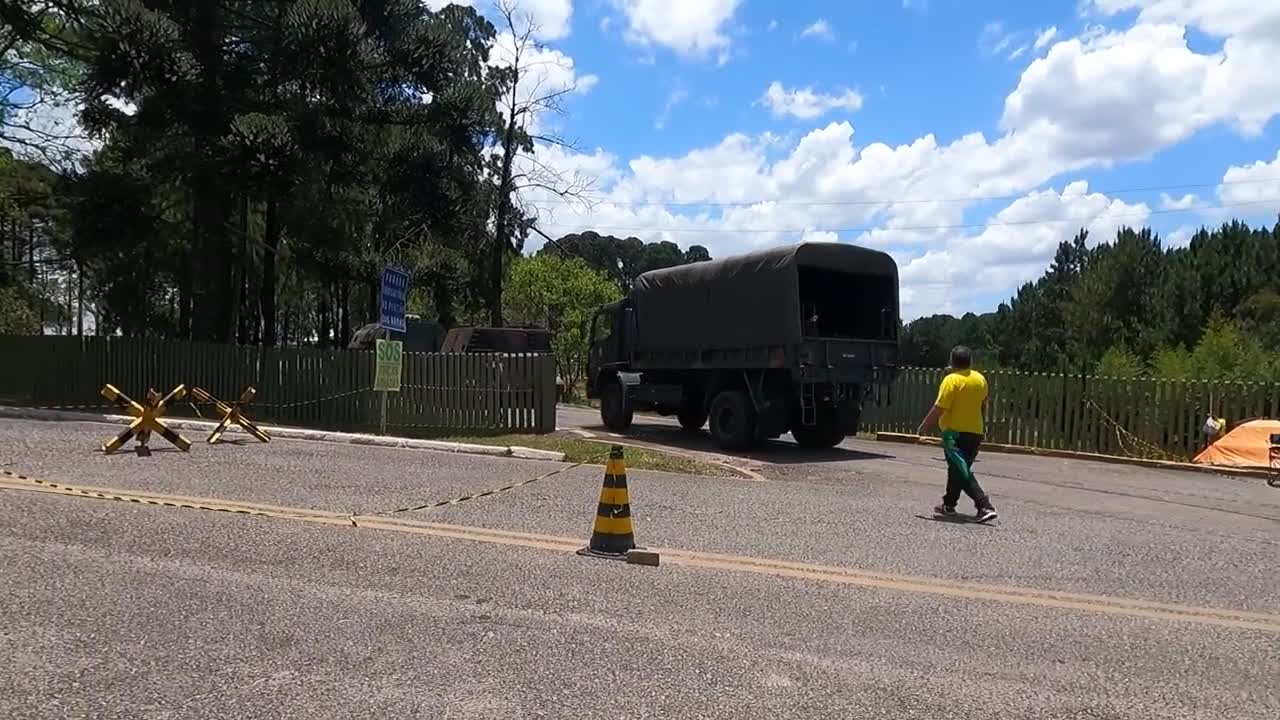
{"x":906,"y":439}
{"x":292,"y":433}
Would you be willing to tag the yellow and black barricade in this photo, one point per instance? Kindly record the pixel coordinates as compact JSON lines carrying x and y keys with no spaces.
{"x":231,"y":413}
{"x":147,"y":419}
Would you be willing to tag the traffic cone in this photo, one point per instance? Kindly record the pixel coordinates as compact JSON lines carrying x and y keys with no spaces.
{"x":612,"y":536}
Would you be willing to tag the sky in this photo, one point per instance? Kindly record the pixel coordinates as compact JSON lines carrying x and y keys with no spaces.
{"x":966,"y":139}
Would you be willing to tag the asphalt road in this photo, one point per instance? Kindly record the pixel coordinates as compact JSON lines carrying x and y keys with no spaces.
{"x":119,"y":610}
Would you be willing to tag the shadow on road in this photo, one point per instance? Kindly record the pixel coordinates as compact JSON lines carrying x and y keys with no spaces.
{"x":956,"y":520}
{"x":778,"y":452}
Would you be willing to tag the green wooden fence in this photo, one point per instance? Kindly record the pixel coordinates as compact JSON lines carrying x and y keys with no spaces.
{"x":1147,"y":417}
{"x":329,"y":389}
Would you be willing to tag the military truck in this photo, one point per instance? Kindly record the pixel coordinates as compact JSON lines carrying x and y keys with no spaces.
{"x":788,"y":339}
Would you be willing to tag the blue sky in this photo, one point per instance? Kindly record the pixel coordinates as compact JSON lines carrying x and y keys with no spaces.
{"x":1098,"y":96}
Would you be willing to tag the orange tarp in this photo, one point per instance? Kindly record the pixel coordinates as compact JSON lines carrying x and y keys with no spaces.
{"x":1246,"y":445}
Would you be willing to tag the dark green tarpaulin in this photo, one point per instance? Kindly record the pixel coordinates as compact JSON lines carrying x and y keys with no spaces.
{"x":742,"y":301}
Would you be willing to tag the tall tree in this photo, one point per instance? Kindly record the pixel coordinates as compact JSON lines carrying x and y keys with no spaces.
{"x":525,"y":106}
{"x":1118,"y":299}
{"x":564,"y":293}
{"x":623,"y":259}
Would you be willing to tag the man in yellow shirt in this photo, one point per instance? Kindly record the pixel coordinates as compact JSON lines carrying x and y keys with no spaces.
{"x":958,"y":411}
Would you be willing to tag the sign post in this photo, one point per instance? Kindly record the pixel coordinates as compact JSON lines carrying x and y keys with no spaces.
{"x":389,"y":360}
{"x":395,"y":296}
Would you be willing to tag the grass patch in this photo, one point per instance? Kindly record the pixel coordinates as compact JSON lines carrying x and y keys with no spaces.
{"x":578,"y":449}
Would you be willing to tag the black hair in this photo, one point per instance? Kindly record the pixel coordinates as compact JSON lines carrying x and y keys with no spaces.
{"x":961,"y":357}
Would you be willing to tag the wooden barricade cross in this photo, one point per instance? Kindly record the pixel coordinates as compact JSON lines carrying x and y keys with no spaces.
{"x":144,"y":435}
{"x":231,"y":413}
{"x":147,"y":419}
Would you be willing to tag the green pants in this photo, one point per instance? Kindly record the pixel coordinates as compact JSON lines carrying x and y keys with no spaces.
{"x":961,"y":450}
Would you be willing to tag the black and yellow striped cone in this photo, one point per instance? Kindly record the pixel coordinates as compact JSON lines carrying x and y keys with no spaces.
{"x":612,"y":536}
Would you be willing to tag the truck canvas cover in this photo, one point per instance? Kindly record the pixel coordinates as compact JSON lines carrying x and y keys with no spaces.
{"x":741,"y":301}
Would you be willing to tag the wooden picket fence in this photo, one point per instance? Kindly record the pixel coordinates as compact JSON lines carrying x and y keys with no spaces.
{"x":1144,"y":417}
{"x":306,"y":387}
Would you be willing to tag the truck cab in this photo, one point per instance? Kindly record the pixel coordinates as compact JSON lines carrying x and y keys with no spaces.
{"x":607,"y":341}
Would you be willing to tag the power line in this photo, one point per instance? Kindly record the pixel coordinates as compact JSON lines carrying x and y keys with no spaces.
{"x":918,"y":228}
{"x":895,"y":201}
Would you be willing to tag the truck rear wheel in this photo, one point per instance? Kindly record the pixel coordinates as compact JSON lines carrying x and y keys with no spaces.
{"x":733,"y":420}
{"x":613,"y":412}
{"x":826,"y":433}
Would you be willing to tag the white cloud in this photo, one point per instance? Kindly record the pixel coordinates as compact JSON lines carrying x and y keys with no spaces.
{"x":689,"y":28}
{"x":1124,"y":95}
{"x":47,"y":130}
{"x":1248,"y":18}
{"x":123,"y":106}
{"x":676,"y":97}
{"x":995,"y":39}
{"x":819,"y":236}
{"x":1238,"y":78}
{"x":552,"y":18}
{"x":1257,"y":184}
{"x":806,"y":103}
{"x":919,"y":223}
{"x":546,"y":71}
{"x":1180,"y":237}
{"x":1186,"y":202}
{"x":1014,"y":247}
{"x":820,"y":29}
{"x":1022,"y":49}
{"x":1044,"y":37}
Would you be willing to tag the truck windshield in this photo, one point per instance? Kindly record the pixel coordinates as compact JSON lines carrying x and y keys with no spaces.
{"x":602,"y":327}
{"x":837,"y":304}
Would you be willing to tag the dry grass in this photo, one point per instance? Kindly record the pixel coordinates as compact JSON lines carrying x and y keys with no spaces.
{"x":579,"y":449}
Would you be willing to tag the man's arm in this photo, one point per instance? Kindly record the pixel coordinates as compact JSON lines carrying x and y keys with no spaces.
{"x":930,"y":420}
{"x":945,"y":393}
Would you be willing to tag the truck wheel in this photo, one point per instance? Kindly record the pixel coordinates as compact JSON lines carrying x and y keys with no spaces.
{"x":733,"y":420}
{"x":615,"y":417}
{"x":825,"y":434}
{"x":692,"y":418}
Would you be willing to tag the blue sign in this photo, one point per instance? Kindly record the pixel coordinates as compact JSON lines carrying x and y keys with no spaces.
{"x":395,"y":296}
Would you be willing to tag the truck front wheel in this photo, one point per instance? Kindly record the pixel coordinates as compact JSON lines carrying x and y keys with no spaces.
{"x":733,"y":420}
{"x":613,"y":411}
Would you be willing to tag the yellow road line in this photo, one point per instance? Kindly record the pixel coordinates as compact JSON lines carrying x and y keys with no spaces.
{"x":955,"y":589}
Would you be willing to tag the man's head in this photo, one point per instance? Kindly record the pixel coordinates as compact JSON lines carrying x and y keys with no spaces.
{"x":961,"y":358}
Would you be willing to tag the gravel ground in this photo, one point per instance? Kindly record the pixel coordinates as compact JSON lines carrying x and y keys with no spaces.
{"x":1209,"y":542}
{"x":120,"y":611}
